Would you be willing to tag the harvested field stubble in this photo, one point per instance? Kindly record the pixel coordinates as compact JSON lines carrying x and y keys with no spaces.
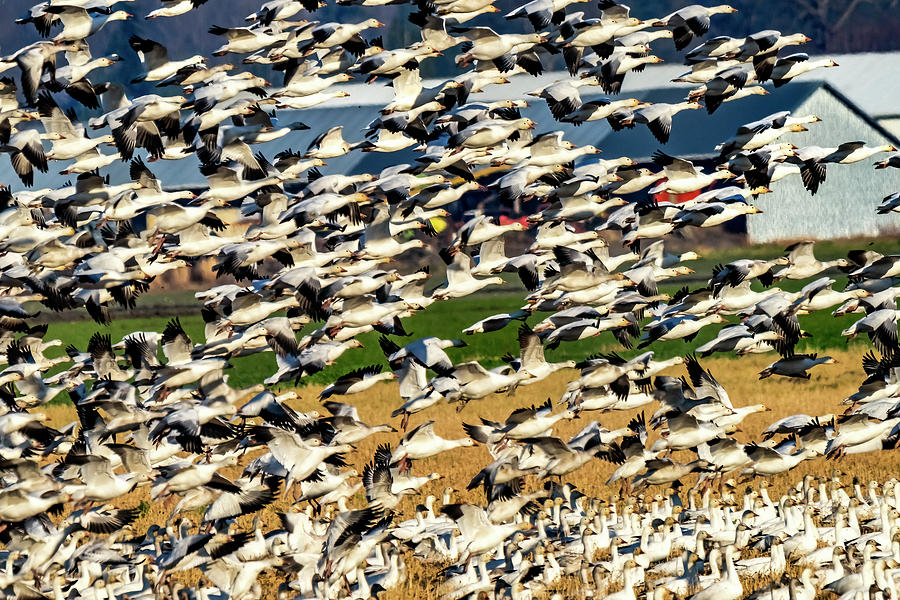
{"x":821,"y":395}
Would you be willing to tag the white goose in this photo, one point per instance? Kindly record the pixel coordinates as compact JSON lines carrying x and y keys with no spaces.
{"x":423,"y":442}
{"x":727,"y":588}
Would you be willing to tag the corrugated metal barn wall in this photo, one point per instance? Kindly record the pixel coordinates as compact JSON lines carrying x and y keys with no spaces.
{"x":846,"y":202}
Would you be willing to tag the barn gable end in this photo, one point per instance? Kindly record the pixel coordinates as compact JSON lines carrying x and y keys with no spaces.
{"x":846,"y":202}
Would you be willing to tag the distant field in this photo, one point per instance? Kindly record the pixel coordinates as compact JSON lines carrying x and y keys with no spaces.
{"x":447,"y":319}
{"x":440,"y":320}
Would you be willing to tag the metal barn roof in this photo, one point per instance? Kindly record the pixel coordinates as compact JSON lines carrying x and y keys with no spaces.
{"x":866,"y":78}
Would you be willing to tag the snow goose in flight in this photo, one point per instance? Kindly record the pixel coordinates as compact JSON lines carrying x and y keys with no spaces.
{"x":485,"y":44}
{"x":634,"y":454}
{"x":244,"y":40}
{"x":579,"y":33}
{"x":819,"y":295}
{"x":19,"y":504}
{"x":386,"y":483}
{"x":682,"y":177}
{"x":272,"y":409}
{"x":174,"y":8}
{"x":576,"y":271}
{"x":186,"y":475}
{"x":890,"y":203}
{"x":478,"y":535}
{"x":79,"y":24}
{"x":26,"y":153}
{"x":496,"y":322}
{"x":858,"y":429}
{"x":541,"y":13}
{"x":587,"y":328}
{"x":769,"y":461}
{"x":428,"y":352}
{"x":554,"y":457}
{"x":423,"y":442}
{"x":711,"y":214}
{"x":689,"y":21}
{"x":329,"y":144}
{"x":725,"y":454}
{"x":476,"y":382}
{"x":300,"y":454}
{"x":664,"y":470}
{"x":881,"y":327}
{"x":796,"y":365}
{"x":685,"y":431}
{"x":358,"y":380}
{"x":531,"y":361}
{"x":348,"y":429}
{"x":803,"y":264}
{"x":594,"y":110}
{"x":155,"y":59}
{"x":892,"y":161}
{"x":788,"y":67}
{"x":755,"y":135}
{"x":679,"y":327}
{"x":311,"y":359}
{"x":736,"y":272}
{"x":419,"y":394}
{"x":648,"y":218}
{"x":530,"y":422}
{"x":70,"y":140}
{"x":737,"y":338}
{"x":562,"y":97}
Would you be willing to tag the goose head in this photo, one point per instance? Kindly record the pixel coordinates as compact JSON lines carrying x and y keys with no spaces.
{"x":119,"y":15}
{"x":432,"y":106}
{"x":796,"y":38}
{"x":756,"y":90}
{"x":291,"y":395}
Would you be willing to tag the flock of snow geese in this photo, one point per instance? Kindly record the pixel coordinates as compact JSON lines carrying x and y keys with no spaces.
{"x":316,"y":250}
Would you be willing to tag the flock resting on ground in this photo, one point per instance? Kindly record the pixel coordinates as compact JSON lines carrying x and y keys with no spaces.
{"x":317,"y":249}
